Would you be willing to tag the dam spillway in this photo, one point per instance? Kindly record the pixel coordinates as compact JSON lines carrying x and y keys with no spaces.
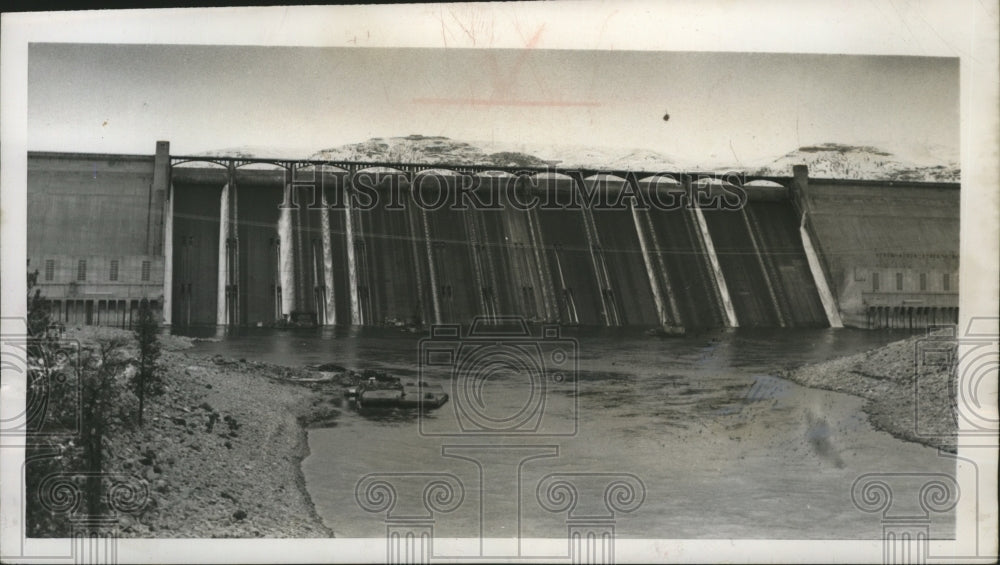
{"x":366,"y":246}
{"x":879,"y":253}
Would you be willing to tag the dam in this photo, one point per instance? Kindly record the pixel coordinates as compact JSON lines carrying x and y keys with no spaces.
{"x":229,"y":241}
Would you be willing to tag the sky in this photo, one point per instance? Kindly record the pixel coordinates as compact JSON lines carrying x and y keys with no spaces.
{"x":723,"y":107}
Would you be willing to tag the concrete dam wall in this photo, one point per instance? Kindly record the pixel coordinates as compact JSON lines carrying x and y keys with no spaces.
{"x":95,"y":233}
{"x":233,"y":242}
{"x":327,"y":259}
{"x":890,"y":250}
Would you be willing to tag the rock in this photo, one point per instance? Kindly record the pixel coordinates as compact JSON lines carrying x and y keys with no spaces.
{"x":228,"y":444}
{"x":157,"y":469}
{"x":212,"y":419}
{"x":126,"y":521}
{"x":240,"y":514}
{"x":179,"y":421}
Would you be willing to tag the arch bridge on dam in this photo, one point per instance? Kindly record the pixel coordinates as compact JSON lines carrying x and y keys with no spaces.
{"x":237,"y":241}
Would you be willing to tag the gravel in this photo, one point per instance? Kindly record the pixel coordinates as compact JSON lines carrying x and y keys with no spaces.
{"x":221,"y":450}
{"x":908,"y":394}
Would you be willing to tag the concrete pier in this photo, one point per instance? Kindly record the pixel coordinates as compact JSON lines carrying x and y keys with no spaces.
{"x":713,"y":259}
{"x":221,"y":312}
{"x":329,"y":317}
{"x":829,"y":302}
{"x":352,"y":262}
{"x":286,"y":258}
{"x":654,"y":284}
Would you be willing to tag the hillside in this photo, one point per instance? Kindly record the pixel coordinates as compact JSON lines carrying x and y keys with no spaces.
{"x":826,"y":160}
{"x":425,"y":150}
{"x":834,"y":160}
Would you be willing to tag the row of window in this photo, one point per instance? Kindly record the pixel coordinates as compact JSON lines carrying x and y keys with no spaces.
{"x":945,"y":281}
{"x":81,"y":270}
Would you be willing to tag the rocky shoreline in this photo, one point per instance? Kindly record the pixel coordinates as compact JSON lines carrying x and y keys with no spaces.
{"x":887,"y":379}
{"x":221,"y":450}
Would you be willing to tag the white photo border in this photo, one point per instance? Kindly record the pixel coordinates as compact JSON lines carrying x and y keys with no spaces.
{"x":967,"y":30}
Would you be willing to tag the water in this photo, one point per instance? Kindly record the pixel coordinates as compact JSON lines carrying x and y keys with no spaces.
{"x":721,"y":447}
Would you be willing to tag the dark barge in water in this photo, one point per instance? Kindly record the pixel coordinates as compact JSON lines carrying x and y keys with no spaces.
{"x":384,"y":391}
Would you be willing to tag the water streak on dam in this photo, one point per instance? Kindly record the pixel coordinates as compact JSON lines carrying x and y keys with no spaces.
{"x":351,"y":243}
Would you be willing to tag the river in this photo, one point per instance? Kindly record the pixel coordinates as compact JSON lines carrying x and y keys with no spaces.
{"x":710,"y":441}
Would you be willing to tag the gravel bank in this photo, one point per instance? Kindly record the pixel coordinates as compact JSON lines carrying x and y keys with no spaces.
{"x":887,"y":378}
{"x":221,"y":449}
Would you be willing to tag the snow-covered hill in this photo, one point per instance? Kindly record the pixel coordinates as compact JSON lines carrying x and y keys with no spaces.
{"x":422,"y":149}
{"x":834,"y":160}
{"x":827,"y":160}
{"x":592,"y":157}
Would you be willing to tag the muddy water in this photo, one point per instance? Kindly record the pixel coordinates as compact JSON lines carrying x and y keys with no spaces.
{"x":706,"y":440}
